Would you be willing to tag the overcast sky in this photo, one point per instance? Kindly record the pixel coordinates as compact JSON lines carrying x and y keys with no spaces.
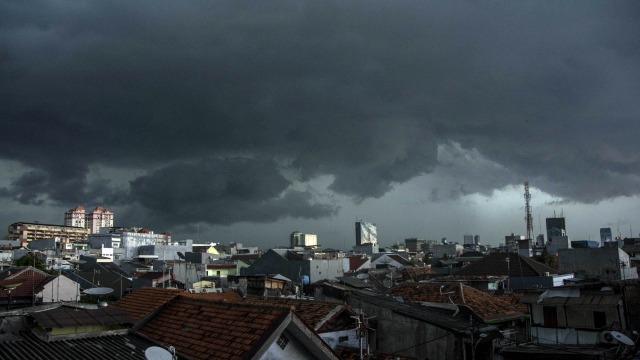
{"x":244,"y":121}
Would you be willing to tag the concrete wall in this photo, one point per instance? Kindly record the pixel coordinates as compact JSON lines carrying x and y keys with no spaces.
{"x":324,"y":269}
{"x":408,"y":336}
{"x":602,"y":263}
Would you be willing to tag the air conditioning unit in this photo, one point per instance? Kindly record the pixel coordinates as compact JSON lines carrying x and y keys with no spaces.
{"x":606,"y":337}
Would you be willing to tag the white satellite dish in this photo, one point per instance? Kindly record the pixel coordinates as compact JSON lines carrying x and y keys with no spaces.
{"x":362,"y":276}
{"x":622,"y":338}
{"x":98,"y":291}
{"x":157,"y":353}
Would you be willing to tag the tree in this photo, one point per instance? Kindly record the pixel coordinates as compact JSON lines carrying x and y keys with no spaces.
{"x":546,"y":258}
{"x":30,"y":260}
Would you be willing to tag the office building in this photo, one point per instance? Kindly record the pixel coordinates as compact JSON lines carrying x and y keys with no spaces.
{"x":366,"y":233}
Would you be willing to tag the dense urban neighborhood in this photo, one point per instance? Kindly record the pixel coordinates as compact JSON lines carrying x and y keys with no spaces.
{"x":88,"y":288}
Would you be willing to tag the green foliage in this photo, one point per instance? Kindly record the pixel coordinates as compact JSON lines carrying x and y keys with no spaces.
{"x":29,"y":260}
{"x":546,"y":258}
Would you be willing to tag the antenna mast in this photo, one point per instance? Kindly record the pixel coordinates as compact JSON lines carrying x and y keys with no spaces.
{"x":527,"y":210}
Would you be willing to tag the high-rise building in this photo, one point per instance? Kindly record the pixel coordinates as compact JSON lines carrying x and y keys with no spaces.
{"x":75,"y":217}
{"x":366,"y":233}
{"x":555,"y":227}
{"x":99,"y":217}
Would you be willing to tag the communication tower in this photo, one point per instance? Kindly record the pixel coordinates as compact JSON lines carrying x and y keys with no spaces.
{"x":527,"y":209}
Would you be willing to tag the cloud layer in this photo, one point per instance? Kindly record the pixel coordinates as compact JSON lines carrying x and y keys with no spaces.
{"x":220,"y":109}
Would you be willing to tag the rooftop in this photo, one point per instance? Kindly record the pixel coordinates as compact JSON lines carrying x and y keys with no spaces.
{"x":206,"y":330}
{"x":483,"y":304}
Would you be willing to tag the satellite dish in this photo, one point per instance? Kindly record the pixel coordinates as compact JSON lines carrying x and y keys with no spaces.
{"x":362,"y":276}
{"x":180,"y":255}
{"x":99,"y":291}
{"x":157,"y":353}
{"x":622,"y":338}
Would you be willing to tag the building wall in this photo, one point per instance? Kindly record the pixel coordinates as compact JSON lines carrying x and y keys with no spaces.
{"x":59,"y":289}
{"x":333,"y":338}
{"x":451,"y":250}
{"x":324,"y":269}
{"x":601,"y":263}
{"x":420,"y":339}
{"x":293,"y":350}
{"x":132,"y":241}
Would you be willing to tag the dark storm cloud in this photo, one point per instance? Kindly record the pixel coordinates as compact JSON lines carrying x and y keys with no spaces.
{"x":364,"y":92}
{"x":224,"y":192}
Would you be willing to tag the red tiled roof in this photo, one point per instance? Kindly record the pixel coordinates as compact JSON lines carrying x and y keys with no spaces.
{"x":227,"y":295}
{"x":312,"y":313}
{"x":483,"y":304}
{"x":214,"y":330}
{"x":145,"y":300}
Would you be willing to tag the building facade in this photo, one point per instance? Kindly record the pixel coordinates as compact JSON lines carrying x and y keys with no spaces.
{"x":27,"y":232}
{"x":97,"y":218}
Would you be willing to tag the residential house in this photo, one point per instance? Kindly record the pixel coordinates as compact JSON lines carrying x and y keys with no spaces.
{"x":200,"y":329}
{"x":492,"y":310}
{"x":575,"y":315}
{"x":333,"y":322}
{"x":19,"y":286}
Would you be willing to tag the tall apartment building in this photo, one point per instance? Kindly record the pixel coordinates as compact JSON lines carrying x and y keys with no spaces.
{"x":99,"y":217}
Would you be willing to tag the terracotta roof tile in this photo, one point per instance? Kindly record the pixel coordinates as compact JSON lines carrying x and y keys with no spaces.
{"x":483,"y":304}
{"x":312,"y":313}
{"x":145,"y":300}
{"x":213,"y":329}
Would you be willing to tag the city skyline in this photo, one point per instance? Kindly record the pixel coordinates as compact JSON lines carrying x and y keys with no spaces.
{"x":244,"y":122}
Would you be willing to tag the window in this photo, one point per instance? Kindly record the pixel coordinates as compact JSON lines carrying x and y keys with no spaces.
{"x":283,"y":341}
{"x":599,"y":319}
{"x":550,"y":316}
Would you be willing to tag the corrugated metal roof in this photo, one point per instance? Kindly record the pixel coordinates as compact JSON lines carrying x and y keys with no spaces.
{"x":108,"y":347}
